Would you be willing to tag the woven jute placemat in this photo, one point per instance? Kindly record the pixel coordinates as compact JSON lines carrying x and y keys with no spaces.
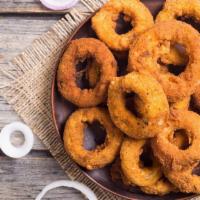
{"x":28,"y":90}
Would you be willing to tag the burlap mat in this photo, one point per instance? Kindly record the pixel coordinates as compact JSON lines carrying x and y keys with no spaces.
{"x":28,"y":89}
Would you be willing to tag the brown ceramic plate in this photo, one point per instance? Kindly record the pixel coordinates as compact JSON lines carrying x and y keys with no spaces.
{"x":61,"y":110}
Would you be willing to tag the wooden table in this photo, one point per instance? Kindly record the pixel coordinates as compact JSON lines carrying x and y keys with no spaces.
{"x":21,"y":21}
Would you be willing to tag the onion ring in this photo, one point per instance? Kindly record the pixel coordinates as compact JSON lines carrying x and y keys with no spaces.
{"x":154,"y":102}
{"x":161,"y":188}
{"x":171,"y":11}
{"x":104,"y":22}
{"x":152,"y":45}
{"x":74,"y":137}
{"x":59,"y":4}
{"x":179,"y":8}
{"x":185,"y":180}
{"x":70,"y":184}
{"x":66,"y":75}
{"x":168,"y":154}
{"x":131,"y":166}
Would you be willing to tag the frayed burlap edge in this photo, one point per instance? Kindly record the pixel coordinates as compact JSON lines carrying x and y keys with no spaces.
{"x":28,"y":87}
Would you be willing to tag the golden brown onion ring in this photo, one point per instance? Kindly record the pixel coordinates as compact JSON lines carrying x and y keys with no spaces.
{"x":153,"y":44}
{"x":66,"y":75}
{"x":74,"y":138}
{"x":169,"y":155}
{"x":155,"y":105}
{"x":161,"y":188}
{"x":104,"y":22}
{"x":132,"y":167}
{"x":185,"y":180}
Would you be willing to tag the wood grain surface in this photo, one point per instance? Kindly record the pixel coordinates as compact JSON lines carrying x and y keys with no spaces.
{"x":23,"y":179}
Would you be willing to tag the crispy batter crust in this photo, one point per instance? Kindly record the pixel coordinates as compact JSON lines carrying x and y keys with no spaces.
{"x":185,"y":180}
{"x":151,"y":45}
{"x":74,"y":138}
{"x":169,"y":155}
{"x":172,"y":10}
{"x":131,"y":166}
{"x":154,"y":103}
{"x":161,"y":188}
{"x":66,"y":75}
{"x":179,"y":8}
{"x":104,"y":22}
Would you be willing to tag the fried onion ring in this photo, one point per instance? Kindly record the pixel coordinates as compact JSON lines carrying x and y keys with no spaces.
{"x":104,"y":22}
{"x":171,"y":11}
{"x":169,"y":155}
{"x":154,"y":103}
{"x":185,"y":180}
{"x":74,"y":138}
{"x":179,"y":8}
{"x":132,"y":167}
{"x":151,"y":45}
{"x":66,"y":75}
{"x":161,"y":188}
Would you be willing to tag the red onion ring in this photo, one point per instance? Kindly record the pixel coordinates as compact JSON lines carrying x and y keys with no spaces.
{"x":59,"y":4}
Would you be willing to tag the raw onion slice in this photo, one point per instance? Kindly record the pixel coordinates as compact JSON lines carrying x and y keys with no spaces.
{"x":59,"y":4}
{"x":71,"y":184}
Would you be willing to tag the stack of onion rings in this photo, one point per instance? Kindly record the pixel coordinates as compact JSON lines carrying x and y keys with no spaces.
{"x":150,"y":104}
{"x":150,"y":46}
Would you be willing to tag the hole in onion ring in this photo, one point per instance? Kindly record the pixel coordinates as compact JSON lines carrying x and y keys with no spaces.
{"x":196,"y":170}
{"x":123,"y":24}
{"x":146,"y":156}
{"x":81,"y":75}
{"x":17,"y":138}
{"x":95,"y":135}
{"x":130,"y":104}
{"x":189,"y":20}
{"x":172,"y":67}
{"x":181,"y":140}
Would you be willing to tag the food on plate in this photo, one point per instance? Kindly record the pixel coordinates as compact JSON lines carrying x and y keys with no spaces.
{"x":161,"y":187}
{"x":171,"y":157}
{"x":186,"y":180}
{"x":74,"y":138}
{"x":105,"y":21}
{"x":153,"y":44}
{"x":77,"y":51}
{"x":132,"y":166}
{"x":154,"y":103}
{"x":151,"y":104}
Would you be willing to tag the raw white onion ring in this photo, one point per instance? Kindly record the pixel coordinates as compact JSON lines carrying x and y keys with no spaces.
{"x":5,"y":140}
{"x":71,"y":184}
{"x":59,"y":4}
